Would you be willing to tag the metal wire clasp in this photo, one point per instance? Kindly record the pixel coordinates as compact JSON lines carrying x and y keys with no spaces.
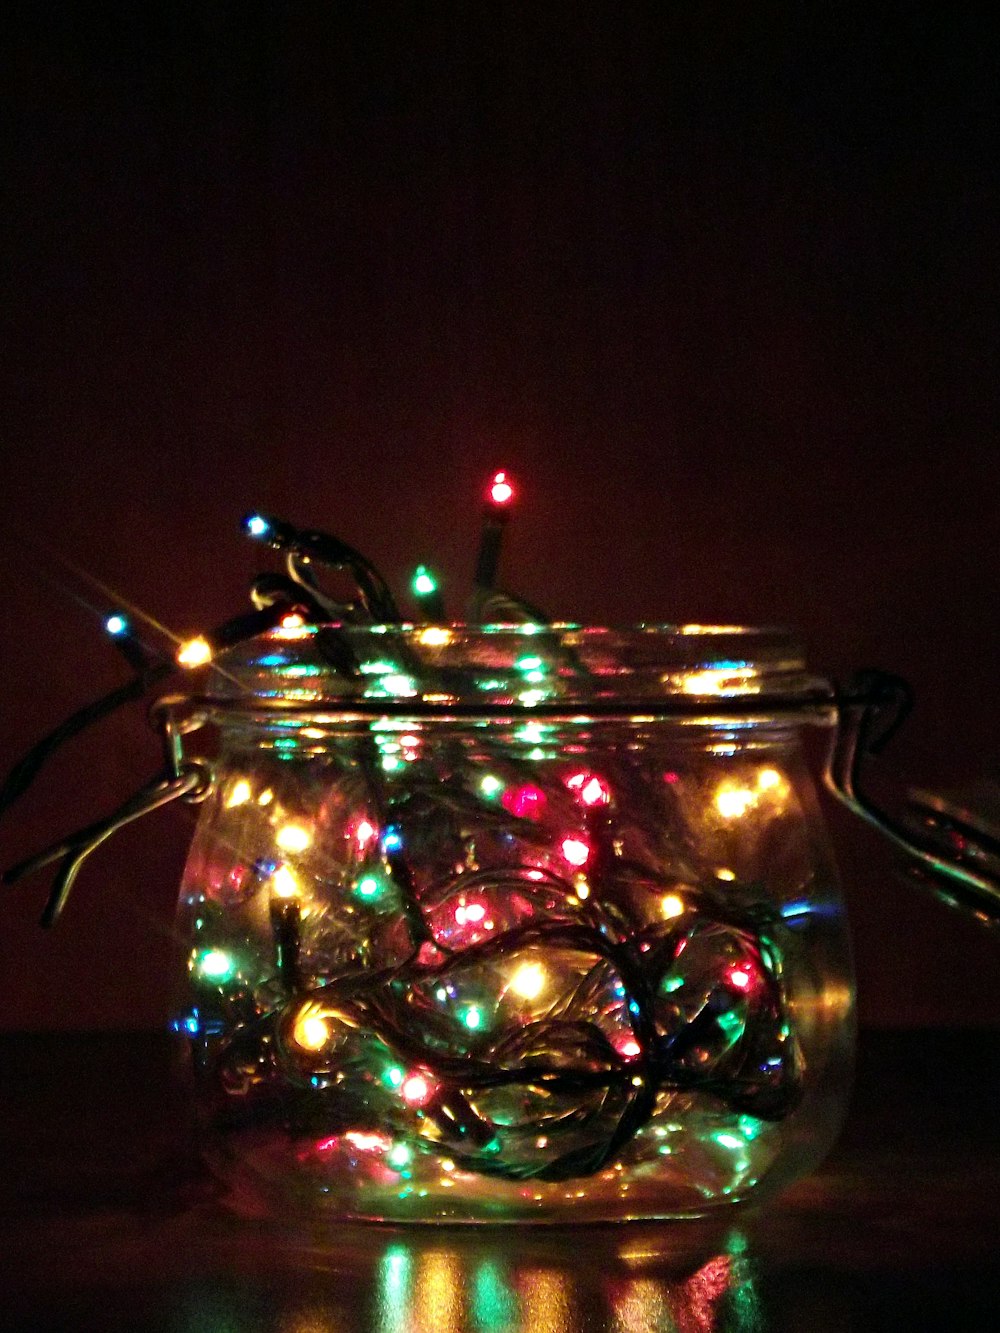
{"x":869,"y":712}
{"x":182,"y":779}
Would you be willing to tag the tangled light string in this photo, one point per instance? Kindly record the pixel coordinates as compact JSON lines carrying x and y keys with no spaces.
{"x":694,"y":1003}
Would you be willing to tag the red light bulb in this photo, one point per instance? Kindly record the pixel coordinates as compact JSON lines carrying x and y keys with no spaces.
{"x":501,"y":492}
{"x":739,"y":976}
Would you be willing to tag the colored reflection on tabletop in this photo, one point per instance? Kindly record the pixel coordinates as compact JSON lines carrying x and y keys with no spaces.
{"x":452,"y":1288}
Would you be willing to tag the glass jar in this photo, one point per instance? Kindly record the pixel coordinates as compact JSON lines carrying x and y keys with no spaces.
{"x":519,"y":924}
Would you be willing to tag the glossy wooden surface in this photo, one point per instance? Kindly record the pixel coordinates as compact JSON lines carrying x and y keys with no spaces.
{"x":105,"y":1225}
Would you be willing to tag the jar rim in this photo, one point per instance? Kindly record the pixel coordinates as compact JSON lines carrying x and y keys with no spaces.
{"x":509,"y":669}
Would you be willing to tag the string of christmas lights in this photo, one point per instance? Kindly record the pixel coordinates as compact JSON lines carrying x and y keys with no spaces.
{"x":500,"y":974}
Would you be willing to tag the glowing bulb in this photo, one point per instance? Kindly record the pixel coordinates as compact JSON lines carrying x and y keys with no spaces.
{"x":369,"y":886}
{"x":739,"y":977}
{"x":590,"y":789}
{"x":501,"y":491}
{"x":403,"y":686}
{"x":630,"y":1049}
{"x":364,"y":831}
{"x":525,"y":802}
{"x":293,"y":838}
{"x":528,"y":981}
{"x":768,"y":778}
{"x":311,"y":1032}
{"x":116,"y":625}
{"x":528,"y":663}
{"x":734,"y":802}
{"x":434,"y":637}
{"x":239,"y":795}
{"x":256,"y":525}
{"x":415,"y":1090}
{"x":576,"y":851}
{"x":424,"y":583}
{"x":473,"y":1017}
{"x":394,"y":1076}
{"x":284,"y":884}
{"x":292,"y":626}
{"x":194,"y":653}
{"x":216,"y":965}
{"x":393,"y":840}
{"x":490,"y":785}
{"x":399,"y":1155}
{"x":672,"y":904}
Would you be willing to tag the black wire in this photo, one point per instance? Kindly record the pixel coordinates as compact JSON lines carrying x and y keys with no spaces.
{"x":26,"y":770}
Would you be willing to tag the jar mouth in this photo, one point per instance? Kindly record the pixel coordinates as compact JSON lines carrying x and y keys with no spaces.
{"x":560,"y":668}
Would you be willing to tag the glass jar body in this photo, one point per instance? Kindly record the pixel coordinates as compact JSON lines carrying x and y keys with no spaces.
{"x":481,"y":970}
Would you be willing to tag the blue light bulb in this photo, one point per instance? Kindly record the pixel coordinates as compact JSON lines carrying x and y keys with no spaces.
{"x":116,"y":624}
{"x":257,"y":525}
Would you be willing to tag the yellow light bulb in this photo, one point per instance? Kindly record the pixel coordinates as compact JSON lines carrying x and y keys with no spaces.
{"x":672,"y":904}
{"x":734,"y":802}
{"x":240,"y":794}
{"x":194,"y":653}
{"x":284,"y":884}
{"x":434,"y":637}
{"x":528,"y":981}
{"x":293,"y":837}
{"x":311,"y":1031}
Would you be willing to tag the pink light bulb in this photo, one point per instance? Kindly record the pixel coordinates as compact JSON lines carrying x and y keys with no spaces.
{"x":525,"y":802}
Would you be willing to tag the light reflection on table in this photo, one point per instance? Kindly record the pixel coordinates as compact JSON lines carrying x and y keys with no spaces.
{"x":468,"y":1285}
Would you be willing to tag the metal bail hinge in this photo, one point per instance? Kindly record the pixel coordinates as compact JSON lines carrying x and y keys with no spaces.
{"x":869,"y":712}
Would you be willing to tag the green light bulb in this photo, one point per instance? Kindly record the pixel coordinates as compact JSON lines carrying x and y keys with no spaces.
{"x":424,"y":583}
{"x":216,"y":965}
{"x":399,"y":1155}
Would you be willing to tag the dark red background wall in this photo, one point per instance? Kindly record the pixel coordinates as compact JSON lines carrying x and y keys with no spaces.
{"x":718,"y":281}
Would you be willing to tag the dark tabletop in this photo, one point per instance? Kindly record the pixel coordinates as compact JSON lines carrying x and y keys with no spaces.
{"x":107,"y":1225}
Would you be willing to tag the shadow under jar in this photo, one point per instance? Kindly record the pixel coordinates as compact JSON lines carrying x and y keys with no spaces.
{"x":497,"y":924}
